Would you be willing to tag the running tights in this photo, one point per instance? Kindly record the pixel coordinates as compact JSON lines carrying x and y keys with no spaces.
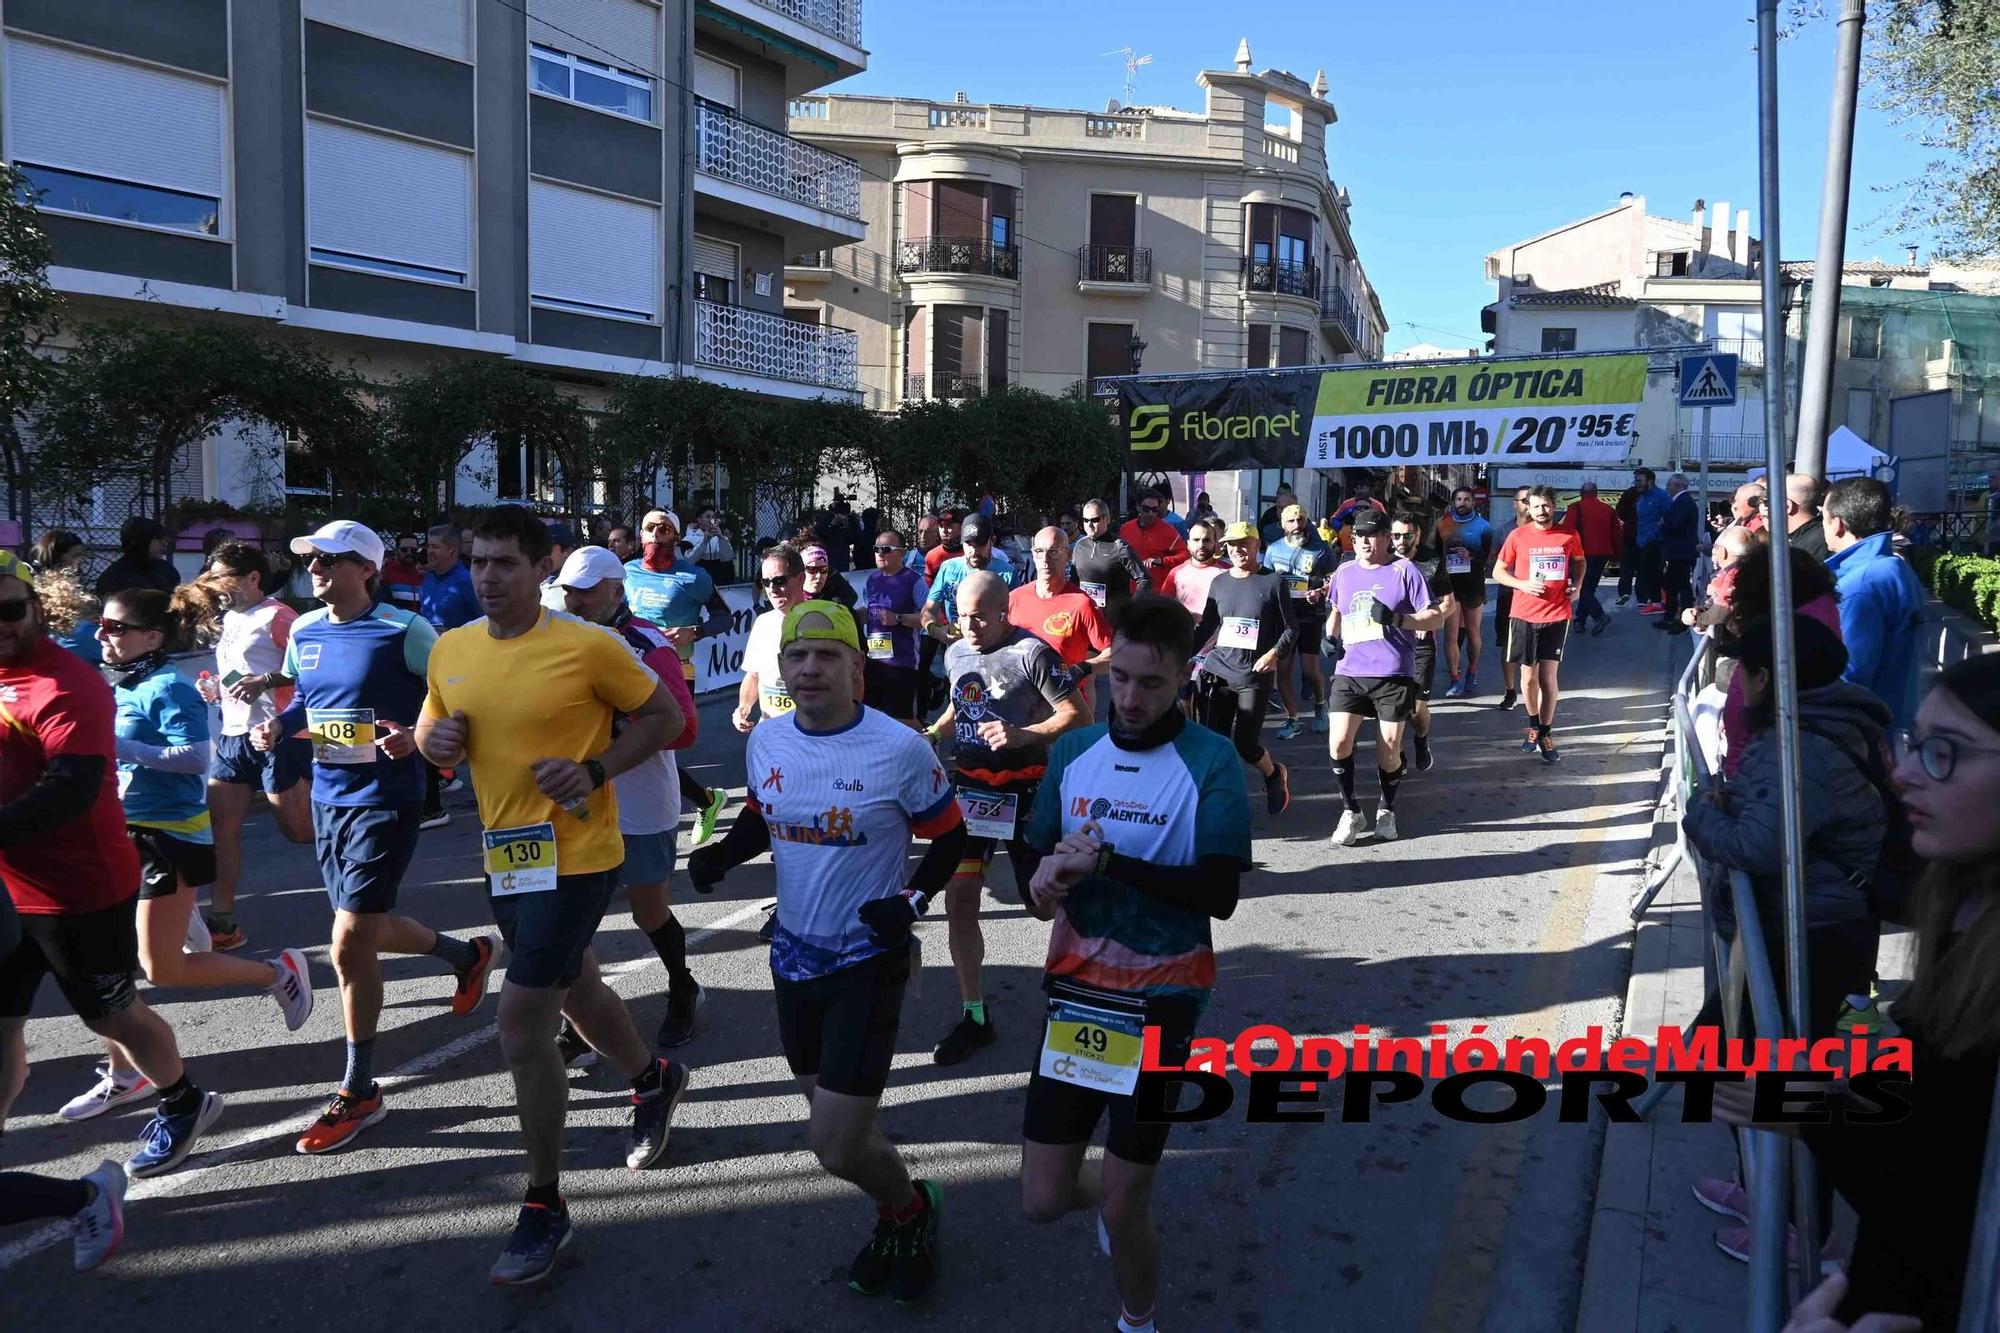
{"x":1235,"y":711}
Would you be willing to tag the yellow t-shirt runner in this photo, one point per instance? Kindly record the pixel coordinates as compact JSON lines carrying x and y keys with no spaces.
{"x":548,"y":694}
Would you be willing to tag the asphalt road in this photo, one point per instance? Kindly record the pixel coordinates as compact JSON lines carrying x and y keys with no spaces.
{"x":1502,"y":905}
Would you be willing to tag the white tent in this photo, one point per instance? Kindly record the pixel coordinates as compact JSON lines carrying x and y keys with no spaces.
{"x":1848,"y":455}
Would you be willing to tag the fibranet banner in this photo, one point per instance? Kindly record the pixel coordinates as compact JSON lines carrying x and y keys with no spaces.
{"x":1522,"y":410}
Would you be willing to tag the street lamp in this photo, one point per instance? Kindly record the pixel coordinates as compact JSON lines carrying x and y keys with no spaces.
{"x":1137,"y":347}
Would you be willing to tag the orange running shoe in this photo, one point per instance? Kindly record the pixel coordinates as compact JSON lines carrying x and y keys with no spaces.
{"x":345,"y":1116}
{"x":472,"y":982}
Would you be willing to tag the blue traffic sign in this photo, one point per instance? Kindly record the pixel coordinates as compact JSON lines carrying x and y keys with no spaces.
{"x":1708,"y":379}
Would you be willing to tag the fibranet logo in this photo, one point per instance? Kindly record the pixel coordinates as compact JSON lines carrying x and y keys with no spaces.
{"x":1149,"y":426}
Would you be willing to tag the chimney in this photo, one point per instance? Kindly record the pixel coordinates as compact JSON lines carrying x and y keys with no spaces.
{"x":1718,"y":232}
{"x":1700,"y":214}
{"x":1625,"y":198}
{"x":1320,"y":86}
{"x":1911,"y":250}
{"x":962,"y":99}
{"x":1741,"y":246}
{"x":1243,"y":56}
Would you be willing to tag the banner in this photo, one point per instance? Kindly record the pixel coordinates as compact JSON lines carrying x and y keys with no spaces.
{"x":718,"y":659}
{"x":1520,"y":410}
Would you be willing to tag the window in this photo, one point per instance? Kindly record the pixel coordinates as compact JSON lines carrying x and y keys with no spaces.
{"x":1864,"y":337}
{"x":1260,"y":347}
{"x":715,"y":270}
{"x":519,"y":472}
{"x":1279,"y":245}
{"x":1670,"y":264}
{"x":606,"y":87}
{"x":802,"y":314}
{"x":996,"y":350}
{"x":1558,"y":340}
{"x":351,"y":173}
{"x":107,"y":139}
{"x":716,"y":82}
{"x":443,"y":26}
{"x":1861,"y":411}
{"x":1293,"y":348}
{"x":960,"y":336}
{"x":591,"y":253}
{"x":1107,"y":351}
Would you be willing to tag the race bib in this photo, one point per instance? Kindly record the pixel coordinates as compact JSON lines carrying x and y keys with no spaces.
{"x":1093,"y":1048}
{"x":989,"y":814}
{"x":521,"y":860}
{"x":1096,"y":592}
{"x":1298,"y":588}
{"x":1358,"y":625}
{"x":1458,"y":562}
{"x":1237,"y":632}
{"x":880,"y":646}
{"x":1549,"y":566}
{"x":342,"y":735}
{"x":774,"y":697}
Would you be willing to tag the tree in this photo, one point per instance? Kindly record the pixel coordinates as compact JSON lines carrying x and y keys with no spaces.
{"x":29,"y":309}
{"x":797,"y":443}
{"x":915,"y":458}
{"x":440,"y":415}
{"x":1935,"y":65}
{"x":657,"y":425}
{"x":1034,"y":453}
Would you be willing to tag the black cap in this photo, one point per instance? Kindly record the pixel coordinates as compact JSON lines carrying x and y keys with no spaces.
{"x":976,"y":528}
{"x":562,"y":535}
{"x":1821,"y":656}
{"x":1370,"y":523}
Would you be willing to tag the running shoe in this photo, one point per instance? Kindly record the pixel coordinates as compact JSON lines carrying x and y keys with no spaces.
{"x":1278,"y":790}
{"x":471,"y":989}
{"x":1472,"y":682}
{"x":224,"y":941}
{"x":869,"y":1273}
{"x":1320,"y":724}
{"x":108,"y":1093}
{"x":1425,"y":759}
{"x":1385,"y":826}
{"x":1291,"y":730}
{"x":1529,"y":744}
{"x":540,"y":1233}
{"x":1455,"y":690}
{"x":168,"y":1139}
{"x":1509,"y":699}
{"x":964,"y":1038}
{"x":292,"y":992}
{"x":916,"y":1264}
{"x":1652,"y":608}
{"x":1623,"y":598}
{"x":652,"y":1117}
{"x":1735,"y":1242}
{"x":575,"y":1051}
{"x":704,"y":829}
{"x":1349,"y":830}
{"x":1722,"y":1196}
{"x":100,"y":1228}
{"x":1550,"y":754}
{"x":438,"y":820}
{"x":345,"y":1116}
{"x":1597,"y":630}
{"x":683,"y":1003}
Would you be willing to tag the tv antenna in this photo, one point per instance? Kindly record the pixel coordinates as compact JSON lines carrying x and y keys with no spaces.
{"x":1133,"y":63}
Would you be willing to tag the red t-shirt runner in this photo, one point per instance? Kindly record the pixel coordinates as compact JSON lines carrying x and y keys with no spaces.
{"x":1529,"y":551}
{"x":1069,"y":622}
{"x":55,"y":703}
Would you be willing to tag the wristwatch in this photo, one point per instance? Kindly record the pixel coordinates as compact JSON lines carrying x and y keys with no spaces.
{"x":596,"y":771}
{"x":1104,"y":852}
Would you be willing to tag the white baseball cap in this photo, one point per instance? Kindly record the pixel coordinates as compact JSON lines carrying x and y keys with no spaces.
{"x":588,"y":566}
{"x":671,"y":516}
{"x":342,"y":536}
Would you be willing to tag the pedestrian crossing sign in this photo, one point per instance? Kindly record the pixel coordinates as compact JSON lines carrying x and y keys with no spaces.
{"x":1708,"y":380}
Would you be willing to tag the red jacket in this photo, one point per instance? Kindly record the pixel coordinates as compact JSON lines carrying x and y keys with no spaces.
{"x":1159,"y":547}
{"x":1596,"y":525}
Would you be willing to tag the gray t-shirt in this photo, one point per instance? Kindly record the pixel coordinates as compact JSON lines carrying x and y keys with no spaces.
{"x":1018,"y":683}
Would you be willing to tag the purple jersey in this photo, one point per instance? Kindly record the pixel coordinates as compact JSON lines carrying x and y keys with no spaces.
{"x":901,"y":592}
{"x":1374,"y":649}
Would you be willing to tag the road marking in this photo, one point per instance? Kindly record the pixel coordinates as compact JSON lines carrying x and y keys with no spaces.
{"x":244,"y":1144}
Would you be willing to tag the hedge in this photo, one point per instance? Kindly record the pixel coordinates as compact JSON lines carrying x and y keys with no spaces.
{"x":1968,"y":583}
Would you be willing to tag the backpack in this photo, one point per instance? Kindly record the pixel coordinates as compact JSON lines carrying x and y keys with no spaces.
{"x":1899,"y":868}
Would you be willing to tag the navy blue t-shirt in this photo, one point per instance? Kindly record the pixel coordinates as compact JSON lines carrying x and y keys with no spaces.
{"x":358,"y":674}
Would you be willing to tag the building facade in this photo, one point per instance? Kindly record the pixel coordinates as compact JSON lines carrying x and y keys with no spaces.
{"x":592,"y":188}
{"x":1026,"y":246}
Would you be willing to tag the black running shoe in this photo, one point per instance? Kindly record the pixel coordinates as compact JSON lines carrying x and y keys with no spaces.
{"x":652,"y":1117}
{"x":916,"y":1265}
{"x":575,"y":1051}
{"x":1278,"y":790}
{"x":1509,"y":699}
{"x":677,"y":1028}
{"x":1423,"y":749}
{"x":539,"y":1235}
{"x":869,"y":1273}
{"x":964,"y":1038}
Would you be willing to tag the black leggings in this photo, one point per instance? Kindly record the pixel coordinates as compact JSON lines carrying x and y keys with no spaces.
{"x":1235,"y":711}
{"x":25,"y":1197}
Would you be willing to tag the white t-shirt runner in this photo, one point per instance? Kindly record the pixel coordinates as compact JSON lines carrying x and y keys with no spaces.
{"x":760,"y":655}
{"x":252,"y":644}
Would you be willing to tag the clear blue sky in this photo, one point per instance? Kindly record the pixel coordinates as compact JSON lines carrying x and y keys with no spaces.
{"x":1464,"y":124}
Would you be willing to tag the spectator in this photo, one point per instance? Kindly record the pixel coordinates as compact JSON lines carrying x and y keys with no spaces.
{"x":142,"y":562}
{"x":1746,"y":509}
{"x":1750,"y":600}
{"x":1802,"y":522}
{"x":1649,"y":509}
{"x":1596,"y":525}
{"x":59,"y":549}
{"x":619,"y":542}
{"x":1267,"y":522}
{"x":1203,"y":509}
{"x":711,"y":549}
{"x":837,"y":535}
{"x":562,"y":540}
{"x":402,"y":582}
{"x":445,"y":596}
{"x":1881,"y":600}
{"x":1680,"y":543}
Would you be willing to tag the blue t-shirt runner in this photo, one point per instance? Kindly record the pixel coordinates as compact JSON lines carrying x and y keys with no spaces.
{"x":354,"y":675}
{"x":162,"y":711}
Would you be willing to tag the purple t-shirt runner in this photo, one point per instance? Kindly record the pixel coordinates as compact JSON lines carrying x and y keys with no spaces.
{"x":1374,"y":650}
{"x":903,"y":593}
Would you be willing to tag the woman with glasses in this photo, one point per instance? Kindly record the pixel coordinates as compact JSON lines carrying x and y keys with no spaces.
{"x":821,"y":583}
{"x":893,"y":603}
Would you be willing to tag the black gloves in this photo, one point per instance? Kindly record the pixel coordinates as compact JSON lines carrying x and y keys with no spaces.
{"x":705,"y":868}
{"x":889,"y":920}
{"x":1380,"y":613}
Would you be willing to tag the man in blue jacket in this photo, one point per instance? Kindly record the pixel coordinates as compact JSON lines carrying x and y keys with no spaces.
{"x":1881,"y":601}
{"x":1680,"y":543}
{"x":1649,"y":508}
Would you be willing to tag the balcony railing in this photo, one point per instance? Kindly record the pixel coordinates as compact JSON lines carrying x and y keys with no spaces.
{"x":1337,"y":307}
{"x":1748,"y":351}
{"x":1114,"y":263}
{"x":1285,"y":277}
{"x":811,"y":259}
{"x":835,"y":18}
{"x":958,"y":254}
{"x":918,"y":384}
{"x":1285,"y":150}
{"x":734,"y":149}
{"x":958,"y":116}
{"x":1722,"y":448}
{"x":756,"y":342}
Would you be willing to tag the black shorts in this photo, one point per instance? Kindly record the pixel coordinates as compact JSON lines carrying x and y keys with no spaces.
{"x":276,"y":770}
{"x":1529,"y":643}
{"x":1468,"y":589}
{"x":1427,"y":664}
{"x":1060,"y":1114}
{"x":979,"y":851}
{"x":841,"y":1028}
{"x":94,"y":957}
{"x":363,"y":851}
{"x":891,"y":689}
{"x":1311,"y":631}
{"x":548,"y":933}
{"x":167,"y":862}
{"x":1384,"y":698}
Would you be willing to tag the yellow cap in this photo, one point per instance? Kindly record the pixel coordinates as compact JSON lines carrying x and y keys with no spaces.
{"x":13,"y":566}
{"x":1291,"y":511}
{"x":819,"y":620}
{"x":1240,"y":532}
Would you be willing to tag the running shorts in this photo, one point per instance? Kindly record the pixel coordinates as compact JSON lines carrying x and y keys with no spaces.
{"x":275,"y":770}
{"x":649,"y":859}
{"x":363,"y":851}
{"x":1312,"y":631}
{"x":548,"y":933}
{"x":1427,"y":664}
{"x":94,"y":957}
{"x":1384,"y":698}
{"x":978,"y":853}
{"x":841,"y":1028}
{"x":1468,"y":589}
{"x":1062,"y":1114}
{"x":891,"y":689}
{"x":166,"y":862}
{"x":1529,"y":642}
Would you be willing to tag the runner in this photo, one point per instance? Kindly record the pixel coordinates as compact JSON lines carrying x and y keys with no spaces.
{"x":1503,"y":601}
{"x":680,"y":597}
{"x":1303,"y":561}
{"x":1360,"y":501}
{"x":402,"y":581}
{"x":447,"y":602}
{"x":1156,"y":542}
{"x":1466,"y":539}
{"x":1188,"y":584}
{"x":359,"y":669}
{"x":254,"y":634}
{"x":562,"y":540}
{"x":1010,"y":697}
{"x":649,"y":795}
{"x":949,"y":545}
{"x":941,"y":603}
{"x":540,"y":760}
{"x":1131,"y":892}
{"x":623,"y":544}
{"x":71,"y":874}
{"x":836,"y":791}
{"x":763,"y":686}
{"x":1057,"y":612}
{"x":1376,"y":603}
{"x":1544,"y":565}
{"x":1107,"y":570}
{"x":1404,"y":532}
{"x":1249,"y":617}
{"x":893,"y":602}
{"x":821,"y":583}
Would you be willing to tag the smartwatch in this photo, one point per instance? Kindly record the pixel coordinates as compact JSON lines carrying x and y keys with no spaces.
{"x":596,"y":771}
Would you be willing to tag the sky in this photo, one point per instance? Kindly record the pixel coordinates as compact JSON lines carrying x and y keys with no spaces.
{"x":1464,"y":126}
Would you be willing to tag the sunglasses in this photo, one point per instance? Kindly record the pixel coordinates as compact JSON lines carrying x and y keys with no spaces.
{"x":331,"y":557}
{"x":1097,"y":518}
{"x":1149,"y":509}
{"x":15,"y":608}
{"x":112,"y":627}
{"x":778,"y":582}
{"x":1939,"y":754}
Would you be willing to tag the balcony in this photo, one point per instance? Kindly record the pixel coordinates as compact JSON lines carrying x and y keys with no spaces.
{"x":1280,"y":277}
{"x":1115,"y":267}
{"x":816,"y":41}
{"x":1749,"y":352}
{"x":755,"y":342}
{"x":813,"y":266}
{"x":958,"y":254}
{"x":1745,"y":450}
{"x":749,"y":173}
{"x":1338,"y":309}
{"x":953,"y":384}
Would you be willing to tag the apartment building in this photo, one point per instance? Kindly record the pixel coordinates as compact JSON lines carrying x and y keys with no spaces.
{"x":1026,"y":246}
{"x":409,"y":180}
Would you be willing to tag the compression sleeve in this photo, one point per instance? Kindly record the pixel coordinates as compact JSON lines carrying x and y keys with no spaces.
{"x":64,"y":792}
{"x":1290,"y":636}
{"x":1210,"y":886}
{"x":189,"y":758}
{"x":718,"y":618}
{"x":749,"y":836}
{"x":940,"y":861}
